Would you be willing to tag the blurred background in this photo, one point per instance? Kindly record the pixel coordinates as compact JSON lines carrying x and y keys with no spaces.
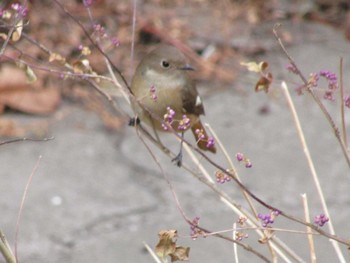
{"x":98,"y":194}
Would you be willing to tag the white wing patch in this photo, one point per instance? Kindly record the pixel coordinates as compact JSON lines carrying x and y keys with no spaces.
{"x":198,"y":101}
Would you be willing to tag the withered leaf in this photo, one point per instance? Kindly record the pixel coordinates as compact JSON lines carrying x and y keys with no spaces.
{"x":82,"y":66}
{"x":8,"y":128}
{"x":16,"y":35}
{"x":167,"y":247}
{"x":31,"y":77}
{"x":166,"y":244}
{"x":17,"y":94}
{"x":181,"y":253}
{"x":264,"y":83}
{"x":31,"y":101}
{"x":86,"y":51}
{"x":56,"y":57}
{"x":268,"y":234}
{"x":251,"y":66}
{"x":255,"y":67}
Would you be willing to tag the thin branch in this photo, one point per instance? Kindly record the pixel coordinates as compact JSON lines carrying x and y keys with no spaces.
{"x":277,"y":244}
{"x":312,"y":168}
{"x":22,"y":204}
{"x":165,"y":176}
{"x":241,"y":244}
{"x":314,"y":96}
{"x":260,"y":201}
{"x":308,"y":229}
{"x":241,"y":185}
{"x":195,"y":148}
{"x":5,"y":249}
{"x":229,"y":160}
{"x":133,"y":32}
{"x":26,"y":139}
{"x":9,"y":35}
{"x":235,"y":250}
{"x":151,"y":252}
{"x":178,"y":205}
{"x":342,"y":106}
{"x":92,"y":41}
{"x":60,"y":73}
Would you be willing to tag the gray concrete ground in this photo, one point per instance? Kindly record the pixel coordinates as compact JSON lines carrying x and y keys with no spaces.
{"x":97,"y":196}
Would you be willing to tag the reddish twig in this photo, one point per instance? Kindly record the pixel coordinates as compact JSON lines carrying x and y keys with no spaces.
{"x":22,"y":204}
{"x":314,"y":96}
{"x":26,"y":139}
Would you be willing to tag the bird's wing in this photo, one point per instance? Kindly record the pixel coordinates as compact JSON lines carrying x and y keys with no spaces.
{"x":191,"y":101}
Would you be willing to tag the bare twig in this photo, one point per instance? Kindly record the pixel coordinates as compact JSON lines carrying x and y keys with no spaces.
{"x":187,"y":219}
{"x":165,"y":176}
{"x":9,"y":34}
{"x":128,"y":95}
{"x":26,"y":139}
{"x":229,"y":160}
{"x":235,"y":251}
{"x":260,"y":201}
{"x":92,"y":41}
{"x":308,"y":230}
{"x":277,"y":245}
{"x":133,"y":32}
{"x":342,"y":111}
{"x":241,"y":244}
{"x":22,"y":205}
{"x":5,"y":249}
{"x":312,"y":168}
{"x":314,"y":96}
{"x":214,"y":164}
{"x":151,"y":252}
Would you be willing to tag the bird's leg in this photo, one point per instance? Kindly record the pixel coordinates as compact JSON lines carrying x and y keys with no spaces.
{"x":178,"y":158}
{"x":156,"y":134}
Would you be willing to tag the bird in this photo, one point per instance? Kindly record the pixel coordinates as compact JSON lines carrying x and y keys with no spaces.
{"x":166,"y":95}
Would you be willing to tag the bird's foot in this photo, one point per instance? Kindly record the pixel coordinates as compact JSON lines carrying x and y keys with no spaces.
{"x":178,"y":159}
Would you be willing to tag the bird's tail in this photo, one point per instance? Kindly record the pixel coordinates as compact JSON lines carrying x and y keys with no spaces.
{"x":202,"y":138}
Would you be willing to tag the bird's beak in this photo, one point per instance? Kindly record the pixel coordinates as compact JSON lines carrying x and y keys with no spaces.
{"x":186,"y":67}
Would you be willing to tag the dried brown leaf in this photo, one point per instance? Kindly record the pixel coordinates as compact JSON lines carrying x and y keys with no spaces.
{"x":264,"y":83}
{"x":180,"y":254}
{"x":86,"y":51}
{"x":31,"y":77}
{"x":251,"y":66}
{"x":31,"y":101}
{"x":166,"y":244}
{"x":82,"y":66}
{"x":16,"y":35}
{"x":255,"y":67}
{"x":8,"y":128}
{"x":167,"y":247}
{"x":17,"y":94}
{"x":11,"y":77}
{"x":57,"y":57}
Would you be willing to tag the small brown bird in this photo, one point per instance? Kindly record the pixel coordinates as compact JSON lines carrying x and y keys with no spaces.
{"x":167,"y":95}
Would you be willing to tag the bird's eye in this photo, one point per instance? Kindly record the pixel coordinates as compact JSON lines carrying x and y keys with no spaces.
{"x":165,"y":64}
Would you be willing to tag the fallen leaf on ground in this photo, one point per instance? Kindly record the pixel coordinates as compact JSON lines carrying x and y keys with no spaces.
{"x":12,"y":129}
{"x":17,"y":94}
{"x":8,"y":128}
